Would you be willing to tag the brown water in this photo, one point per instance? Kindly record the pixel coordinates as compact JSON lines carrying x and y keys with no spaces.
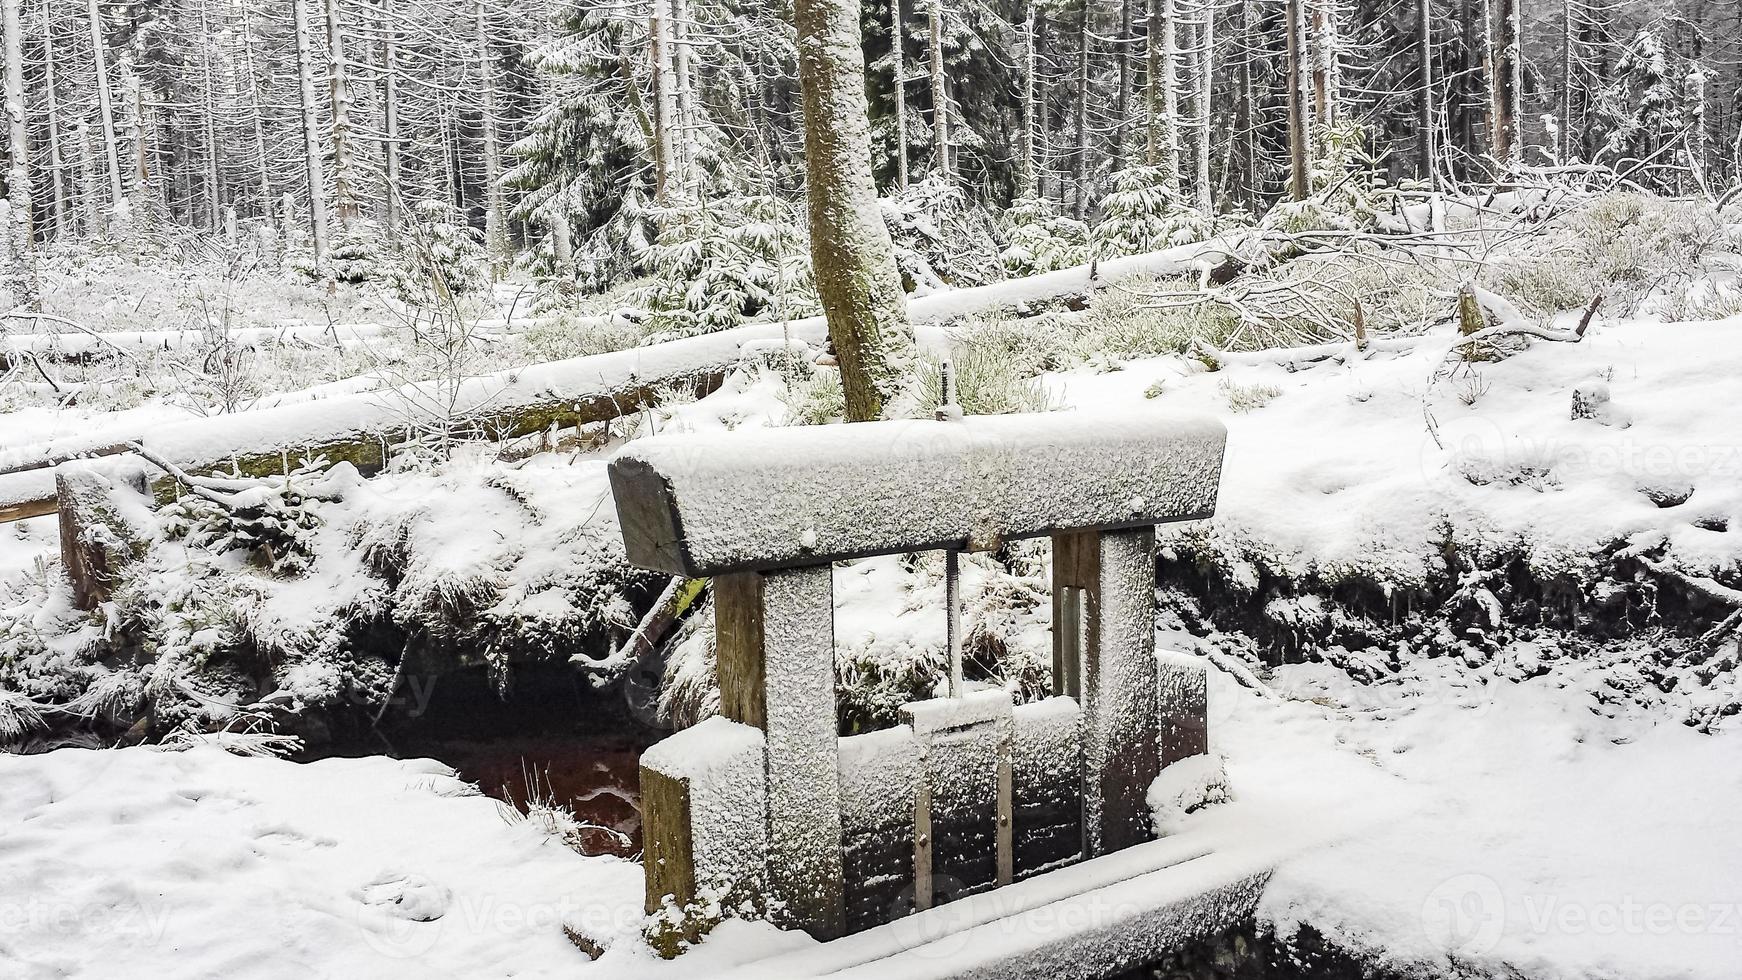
{"x":595,"y":777}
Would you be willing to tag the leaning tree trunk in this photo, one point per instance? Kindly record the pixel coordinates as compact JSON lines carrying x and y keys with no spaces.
{"x":105,"y":109}
{"x":851,"y":254}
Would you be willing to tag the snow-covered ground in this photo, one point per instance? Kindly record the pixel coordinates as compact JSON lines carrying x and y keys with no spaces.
{"x":1492,"y":826}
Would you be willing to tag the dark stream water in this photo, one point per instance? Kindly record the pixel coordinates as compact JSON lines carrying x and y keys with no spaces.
{"x":552,"y":739}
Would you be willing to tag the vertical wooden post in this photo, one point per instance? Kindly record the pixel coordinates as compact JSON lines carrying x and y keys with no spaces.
{"x":775,"y":631}
{"x":1112,"y":652}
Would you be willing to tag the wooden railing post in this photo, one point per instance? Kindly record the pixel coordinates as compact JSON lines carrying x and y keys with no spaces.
{"x":1104,"y":654}
{"x":775,"y":642}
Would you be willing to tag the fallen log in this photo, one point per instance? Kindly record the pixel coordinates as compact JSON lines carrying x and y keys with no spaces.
{"x":360,"y":428}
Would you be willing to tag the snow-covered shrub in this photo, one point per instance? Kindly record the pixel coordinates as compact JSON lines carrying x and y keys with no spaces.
{"x":1146,"y":213}
{"x":814,"y":398}
{"x":1347,"y":189}
{"x":717,"y":263}
{"x":1245,"y":398}
{"x":443,"y":255}
{"x":1042,"y":240}
{"x":941,"y":238}
{"x":990,"y":380}
{"x":1124,"y":322}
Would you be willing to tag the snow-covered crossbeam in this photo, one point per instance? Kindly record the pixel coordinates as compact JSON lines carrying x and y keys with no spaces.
{"x":706,"y":504}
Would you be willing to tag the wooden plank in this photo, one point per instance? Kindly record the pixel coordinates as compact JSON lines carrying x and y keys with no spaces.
{"x":738,"y":648}
{"x":669,"y":850}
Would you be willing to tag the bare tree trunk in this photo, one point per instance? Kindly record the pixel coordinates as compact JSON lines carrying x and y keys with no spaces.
{"x":1080,"y":153}
{"x":1122,"y":110}
{"x":1152,"y":83}
{"x":1170,"y":156}
{"x":1508,"y":83}
{"x":940,"y":95}
{"x":1205,"y":68}
{"x":214,"y":204}
{"x":898,"y":82}
{"x":264,"y":171}
{"x":56,"y":160}
{"x":1324,"y":56}
{"x":664,"y":101}
{"x":685,"y":132}
{"x":1563,"y":148}
{"x":106,"y":107}
{"x":345,"y":205}
{"x":850,"y":250}
{"x":390,"y":115}
{"x":1297,"y":102}
{"x":18,"y":225}
{"x":1424,"y":27}
{"x":312,"y":163}
{"x":495,"y":234}
{"x":1030,"y":179}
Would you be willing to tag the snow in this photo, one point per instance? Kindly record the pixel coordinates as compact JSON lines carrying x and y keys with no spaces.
{"x":1361,"y":460}
{"x":907,"y":485}
{"x":202,"y":863}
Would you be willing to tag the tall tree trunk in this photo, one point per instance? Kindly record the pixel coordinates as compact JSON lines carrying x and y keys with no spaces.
{"x":1564,"y":145}
{"x":664,"y":101}
{"x":1030,"y":91}
{"x":345,"y":204}
{"x":106,"y":108}
{"x":495,"y":233}
{"x":18,"y":227}
{"x":1298,"y":161}
{"x":1153,"y":118}
{"x":1424,"y":36}
{"x":1508,"y":82}
{"x":898,"y":83}
{"x":940,"y":95}
{"x":1080,"y":153}
{"x":313,"y":165}
{"x":56,"y":160}
{"x":1205,"y":68}
{"x":208,"y":125}
{"x":390,"y":116}
{"x":1170,"y":156}
{"x":686,"y":130}
{"x":1325,"y":45}
{"x":851,"y":254}
{"x":1122,"y":109}
{"x":263,"y":171}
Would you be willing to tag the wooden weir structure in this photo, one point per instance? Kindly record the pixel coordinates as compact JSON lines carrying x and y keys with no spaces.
{"x":973,"y":809}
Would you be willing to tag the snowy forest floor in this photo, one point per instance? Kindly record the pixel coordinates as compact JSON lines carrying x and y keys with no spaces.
{"x":1469,"y":611}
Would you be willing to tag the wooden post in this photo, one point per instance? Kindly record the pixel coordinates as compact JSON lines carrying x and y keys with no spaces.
{"x":95,"y":541}
{"x":1111,"y":654}
{"x":775,"y":631}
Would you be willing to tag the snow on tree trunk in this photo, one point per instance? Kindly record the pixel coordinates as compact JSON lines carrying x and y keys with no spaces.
{"x":1080,"y":153}
{"x":313,"y":165}
{"x":1169,"y":123}
{"x":1030,"y":183}
{"x":1424,"y":26}
{"x":495,"y":233}
{"x":898,"y":84}
{"x":22,"y":271}
{"x":1297,"y":100}
{"x":664,"y":101}
{"x":56,"y":160}
{"x":1507,"y":82}
{"x":389,"y":24}
{"x":106,"y":106}
{"x":685,"y":131}
{"x":1203,"y":68}
{"x":940,"y":95}
{"x":344,"y":191}
{"x":851,"y":253}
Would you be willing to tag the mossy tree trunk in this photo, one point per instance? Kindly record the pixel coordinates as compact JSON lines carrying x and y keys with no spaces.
{"x":851,"y":253}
